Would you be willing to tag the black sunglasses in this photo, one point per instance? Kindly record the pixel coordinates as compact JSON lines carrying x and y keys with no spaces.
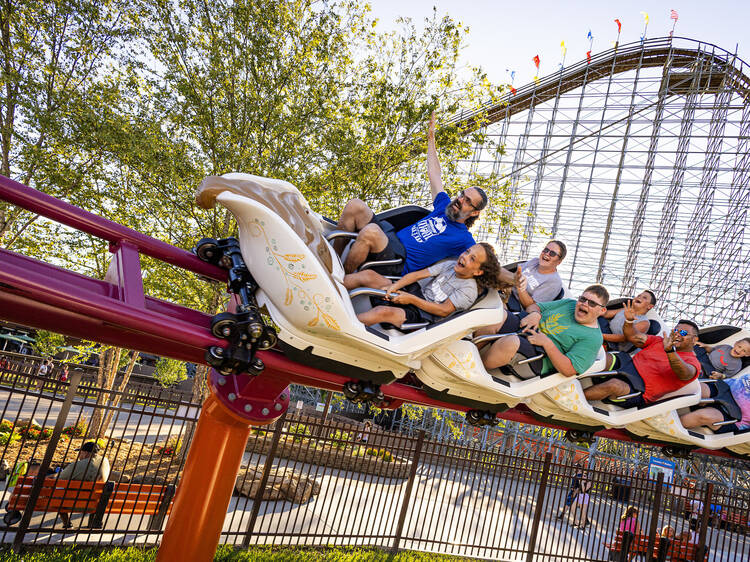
{"x":550,"y":252}
{"x":584,"y":300}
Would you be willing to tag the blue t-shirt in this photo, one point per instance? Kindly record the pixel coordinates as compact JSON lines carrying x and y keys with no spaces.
{"x":434,"y":238}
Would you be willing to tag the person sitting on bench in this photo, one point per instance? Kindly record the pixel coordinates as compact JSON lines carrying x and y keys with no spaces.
{"x":735,"y":390}
{"x":436,"y":291}
{"x":89,"y":468}
{"x":664,"y":364}
{"x":566,"y":332}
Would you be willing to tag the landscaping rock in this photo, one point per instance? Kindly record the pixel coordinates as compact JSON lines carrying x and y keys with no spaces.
{"x":284,"y":484}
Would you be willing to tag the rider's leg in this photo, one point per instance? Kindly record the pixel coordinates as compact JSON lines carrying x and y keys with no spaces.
{"x":366,"y":278}
{"x":701,"y":417}
{"x":500,"y":352}
{"x":389,"y":314}
{"x":608,"y":389}
{"x":354,"y":217}
{"x":371,"y":239}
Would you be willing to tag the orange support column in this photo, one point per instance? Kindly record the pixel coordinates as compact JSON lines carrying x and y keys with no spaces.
{"x":236,"y":404}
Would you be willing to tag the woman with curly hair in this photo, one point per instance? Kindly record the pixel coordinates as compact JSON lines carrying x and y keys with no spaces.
{"x":433,"y":292}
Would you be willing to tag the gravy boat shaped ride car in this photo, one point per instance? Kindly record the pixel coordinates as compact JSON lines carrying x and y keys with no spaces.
{"x":300,"y":279}
{"x":667,"y":426}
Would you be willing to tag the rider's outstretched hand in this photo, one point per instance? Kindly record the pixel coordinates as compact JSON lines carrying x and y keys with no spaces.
{"x":627,"y":308}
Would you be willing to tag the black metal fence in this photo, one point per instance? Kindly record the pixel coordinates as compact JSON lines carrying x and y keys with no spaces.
{"x":309,"y":481}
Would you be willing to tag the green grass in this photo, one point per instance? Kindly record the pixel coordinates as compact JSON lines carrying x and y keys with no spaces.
{"x":226,"y":554}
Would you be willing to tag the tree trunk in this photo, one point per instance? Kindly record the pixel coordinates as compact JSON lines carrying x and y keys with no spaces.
{"x":116,"y":397}
{"x":110,"y":359}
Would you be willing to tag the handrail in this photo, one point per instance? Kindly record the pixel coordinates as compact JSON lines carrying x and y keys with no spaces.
{"x":59,"y":211}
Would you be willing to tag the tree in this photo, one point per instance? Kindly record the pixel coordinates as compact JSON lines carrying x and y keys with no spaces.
{"x":170,"y":371}
{"x":48,"y":343}
{"x":61,"y":88}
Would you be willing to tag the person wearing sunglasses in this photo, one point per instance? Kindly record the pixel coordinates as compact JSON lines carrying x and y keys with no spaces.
{"x":442,"y":234}
{"x":664,"y":364}
{"x":566,"y":332}
{"x":537,"y":280}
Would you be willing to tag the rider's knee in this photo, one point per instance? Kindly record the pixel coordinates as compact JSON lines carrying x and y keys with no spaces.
{"x":371,"y":234}
{"x":355,"y":208}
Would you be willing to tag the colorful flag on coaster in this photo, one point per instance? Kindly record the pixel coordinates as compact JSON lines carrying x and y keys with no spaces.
{"x":563,"y":48}
{"x":536,"y":61}
{"x":619,"y":26}
{"x":645,"y":17}
{"x":536,"y":79}
{"x":589,"y":36}
{"x":513,"y":90}
{"x":588,"y":57}
{"x":512,"y":75}
{"x":675,"y":16}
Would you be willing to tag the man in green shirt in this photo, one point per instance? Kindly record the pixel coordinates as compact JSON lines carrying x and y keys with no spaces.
{"x":565,"y":331}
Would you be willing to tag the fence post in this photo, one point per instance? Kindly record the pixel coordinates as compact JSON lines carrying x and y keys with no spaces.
{"x":407,"y":492}
{"x":49,"y":453}
{"x":655,"y":515}
{"x":264,"y":480}
{"x":700,"y":550}
{"x":540,"y":495}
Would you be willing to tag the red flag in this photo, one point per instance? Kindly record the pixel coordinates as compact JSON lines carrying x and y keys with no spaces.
{"x":513,"y":90}
{"x":588,"y":57}
{"x":674,"y":15}
{"x":619,"y":26}
{"x":536,"y":61}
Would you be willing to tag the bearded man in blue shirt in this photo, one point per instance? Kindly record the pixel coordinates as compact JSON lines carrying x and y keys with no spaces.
{"x":444,"y":233}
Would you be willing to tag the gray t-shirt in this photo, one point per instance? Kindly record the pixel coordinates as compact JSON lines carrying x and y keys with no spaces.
{"x":86,"y":470}
{"x":723,"y":361}
{"x":444,"y":284}
{"x":616,"y":324}
{"x":542,"y":287}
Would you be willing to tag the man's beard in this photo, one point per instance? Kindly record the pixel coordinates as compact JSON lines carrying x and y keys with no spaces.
{"x":451,"y":212}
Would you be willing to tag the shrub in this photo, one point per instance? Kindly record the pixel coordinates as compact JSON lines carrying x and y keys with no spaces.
{"x":45,"y":434}
{"x":341,"y":439}
{"x":7,"y":437}
{"x":30,"y":434}
{"x":258,"y":432}
{"x":6,"y":426}
{"x":381,"y":454}
{"x":172,"y":446}
{"x":78,"y":430}
{"x":298,"y":431}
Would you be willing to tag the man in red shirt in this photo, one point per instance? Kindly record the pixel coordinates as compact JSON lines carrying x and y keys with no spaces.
{"x":663,"y":365}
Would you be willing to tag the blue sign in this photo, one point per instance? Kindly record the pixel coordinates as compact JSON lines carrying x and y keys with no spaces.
{"x":657,"y":465}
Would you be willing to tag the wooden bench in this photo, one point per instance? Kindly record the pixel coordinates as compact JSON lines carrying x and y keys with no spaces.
{"x":93,"y":498}
{"x":676,"y":550}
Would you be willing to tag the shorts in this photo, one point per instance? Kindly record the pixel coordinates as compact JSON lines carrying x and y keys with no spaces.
{"x":529,"y":350}
{"x":512,"y":322}
{"x":630,"y":375}
{"x":721,"y":391}
{"x":394,"y":250}
{"x":414,"y":314}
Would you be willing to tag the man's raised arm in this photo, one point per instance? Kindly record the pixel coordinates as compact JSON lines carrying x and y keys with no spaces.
{"x":434,"y":172}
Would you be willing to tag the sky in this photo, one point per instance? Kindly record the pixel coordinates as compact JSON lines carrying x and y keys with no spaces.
{"x":506,"y":36}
